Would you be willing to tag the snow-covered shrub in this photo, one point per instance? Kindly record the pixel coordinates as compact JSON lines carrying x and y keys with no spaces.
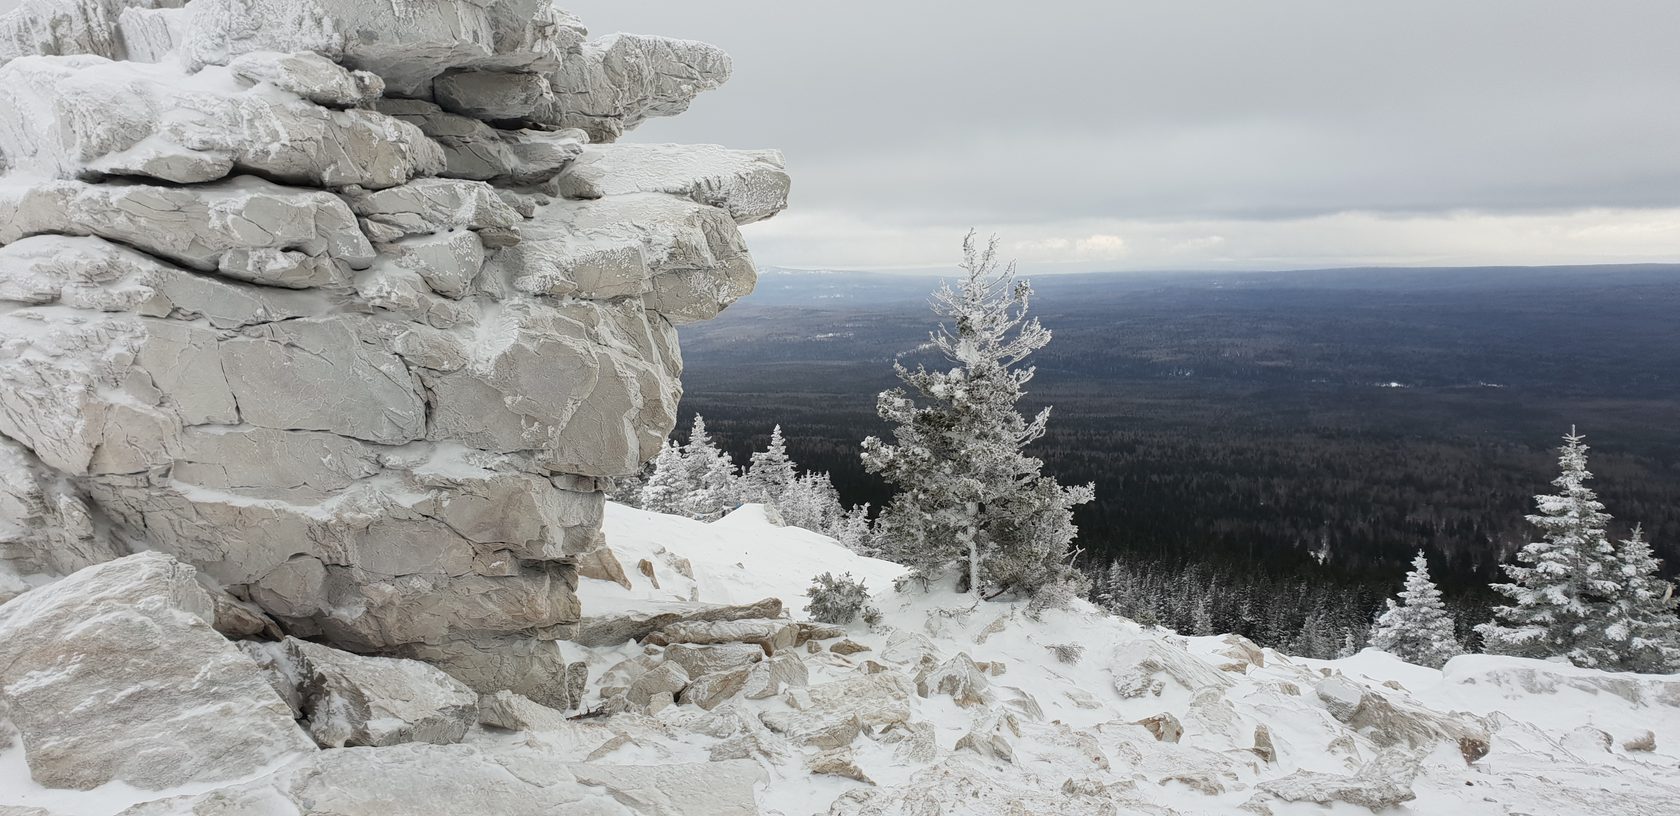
{"x":1069,"y":653}
{"x":1058,"y":594}
{"x":840,"y":600}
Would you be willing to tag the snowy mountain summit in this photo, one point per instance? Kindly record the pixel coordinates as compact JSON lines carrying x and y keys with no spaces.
{"x":707,"y":691}
{"x":323,"y":326}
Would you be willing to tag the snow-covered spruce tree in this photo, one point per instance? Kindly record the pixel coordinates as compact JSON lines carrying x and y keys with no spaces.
{"x":1417,"y":628}
{"x":1645,"y":629}
{"x":967,"y":493}
{"x":1564,"y":587}
{"x":855,"y":532}
{"x":810,"y":501}
{"x":713,"y":488}
{"x":666,"y":489}
{"x":770,"y":472}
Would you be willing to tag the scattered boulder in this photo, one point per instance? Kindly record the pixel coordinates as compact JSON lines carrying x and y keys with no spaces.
{"x":959,"y":677}
{"x":699,"y":659}
{"x":1164,"y":726}
{"x":436,"y":780}
{"x":1390,"y":722}
{"x":813,"y":630}
{"x":514,"y":712}
{"x":602,"y":565}
{"x":817,"y":729}
{"x":1241,"y":653}
{"x":1382,"y":783}
{"x":1263,"y":747}
{"x":848,"y":647}
{"x":666,"y":678}
{"x":1144,"y":667}
{"x":708,"y":691}
{"x":530,"y":666}
{"x":769,"y":635}
{"x":769,"y":677}
{"x":352,"y":700}
{"x":115,"y":674}
{"x":990,"y":736}
{"x":837,"y":762}
{"x":614,"y":629}
{"x":1590,"y":740}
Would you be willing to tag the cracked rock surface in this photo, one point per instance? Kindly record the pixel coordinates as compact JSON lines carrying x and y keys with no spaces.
{"x":352,"y":305}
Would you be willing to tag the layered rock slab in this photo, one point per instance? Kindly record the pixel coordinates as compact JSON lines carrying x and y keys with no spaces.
{"x":319,"y":316}
{"x":423,"y":780}
{"x":115,"y":674}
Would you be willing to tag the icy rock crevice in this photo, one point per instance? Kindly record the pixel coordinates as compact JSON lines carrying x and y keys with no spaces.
{"x":305,"y":294}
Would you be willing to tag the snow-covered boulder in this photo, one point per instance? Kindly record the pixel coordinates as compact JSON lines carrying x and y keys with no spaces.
{"x":433,"y":780}
{"x":1383,"y":783}
{"x":748,"y":184}
{"x":350,"y":700}
{"x":115,"y":674}
{"x":613,"y":628}
{"x":1388,"y":720}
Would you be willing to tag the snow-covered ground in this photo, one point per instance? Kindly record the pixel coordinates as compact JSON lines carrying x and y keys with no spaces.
{"x":945,"y":707}
{"x":1544,"y":754}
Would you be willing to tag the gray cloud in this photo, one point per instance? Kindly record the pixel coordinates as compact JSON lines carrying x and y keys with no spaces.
{"x":1219,"y":132}
{"x":1036,"y":117}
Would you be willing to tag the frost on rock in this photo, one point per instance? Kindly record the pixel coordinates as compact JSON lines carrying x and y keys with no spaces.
{"x":289,"y":291}
{"x":172,"y":702}
{"x":88,"y":116}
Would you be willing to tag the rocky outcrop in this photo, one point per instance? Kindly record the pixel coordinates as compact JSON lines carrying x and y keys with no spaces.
{"x":115,"y":674}
{"x":351,"y":305}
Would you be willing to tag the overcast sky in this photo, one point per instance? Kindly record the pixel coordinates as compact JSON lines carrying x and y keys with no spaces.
{"x":1226,"y":134}
{"x":1148,"y":134}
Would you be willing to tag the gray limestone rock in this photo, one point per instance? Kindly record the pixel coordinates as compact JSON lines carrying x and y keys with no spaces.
{"x":115,"y":674}
{"x":619,"y":81}
{"x":69,"y":27}
{"x":408,"y":43}
{"x":244,"y":228}
{"x":750,"y":185}
{"x":351,"y":700}
{"x":438,"y":780}
{"x":150,"y":125}
{"x":310,"y":76}
{"x":527,"y":665}
{"x":373,"y":405}
{"x":612,"y":630}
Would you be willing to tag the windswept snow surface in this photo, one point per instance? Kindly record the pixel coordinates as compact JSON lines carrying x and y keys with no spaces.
{"x":1085,"y":754}
{"x":1051,"y":726}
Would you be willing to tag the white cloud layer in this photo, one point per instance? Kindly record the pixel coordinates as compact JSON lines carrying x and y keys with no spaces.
{"x":1221,"y":133}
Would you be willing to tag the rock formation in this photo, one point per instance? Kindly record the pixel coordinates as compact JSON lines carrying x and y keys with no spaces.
{"x":352,"y":305}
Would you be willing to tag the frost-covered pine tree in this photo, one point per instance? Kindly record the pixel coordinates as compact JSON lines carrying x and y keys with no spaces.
{"x":811,"y":502}
{"x":1564,"y":587}
{"x":770,"y":471}
{"x":854,"y":531}
{"x":1645,"y":630}
{"x":666,"y":488}
{"x":1418,"y":628}
{"x":967,"y":494}
{"x":713,"y":488}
